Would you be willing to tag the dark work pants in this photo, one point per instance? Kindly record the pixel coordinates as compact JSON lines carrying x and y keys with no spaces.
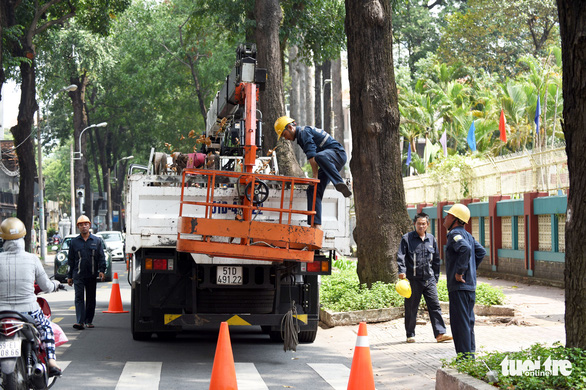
{"x":462,"y":321}
{"x":428,"y":289}
{"x":85,"y":311}
{"x":330,"y":162}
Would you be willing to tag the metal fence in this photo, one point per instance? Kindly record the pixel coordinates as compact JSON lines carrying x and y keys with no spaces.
{"x":527,"y":171}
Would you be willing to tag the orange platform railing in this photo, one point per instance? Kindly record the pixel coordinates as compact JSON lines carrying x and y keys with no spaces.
{"x":277,"y":238}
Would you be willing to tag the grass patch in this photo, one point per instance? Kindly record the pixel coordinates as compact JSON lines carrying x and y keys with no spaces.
{"x":341,"y":291}
{"x":479,"y":367}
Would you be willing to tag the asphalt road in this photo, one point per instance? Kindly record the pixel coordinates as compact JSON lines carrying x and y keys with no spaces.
{"x":106,"y":357}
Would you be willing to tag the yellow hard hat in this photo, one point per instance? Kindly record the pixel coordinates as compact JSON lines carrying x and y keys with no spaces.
{"x":460,"y":211}
{"x":12,"y":229}
{"x":83,"y":219}
{"x":403,"y":288}
{"x":281,"y":123}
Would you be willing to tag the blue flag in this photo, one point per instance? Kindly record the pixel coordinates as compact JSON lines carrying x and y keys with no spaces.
{"x":408,"y":154}
{"x":537,"y":114}
{"x":472,"y":137}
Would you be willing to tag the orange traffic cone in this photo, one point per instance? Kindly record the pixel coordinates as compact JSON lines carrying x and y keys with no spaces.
{"x":361,"y":377}
{"x":115,"y":305}
{"x":223,"y":371}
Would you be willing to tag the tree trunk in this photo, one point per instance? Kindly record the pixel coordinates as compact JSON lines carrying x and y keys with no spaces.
{"x":327,"y":91}
{"x":294,"y":90}
{"x":337,"y":105}
{"x":309,"y":97}
{"x":23,"y":141}
{"x":318,"y":96}
{"x":268,"y":18}
{"x":80,"y":122}
{"x":572,"y":17}
{"x":381,"y":213}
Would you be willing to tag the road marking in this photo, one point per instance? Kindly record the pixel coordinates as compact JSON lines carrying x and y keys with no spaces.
{"x":336,"y":375}
{"x":140,"y":375}
{"x":57,"y":319}
{"x":248,"y":378}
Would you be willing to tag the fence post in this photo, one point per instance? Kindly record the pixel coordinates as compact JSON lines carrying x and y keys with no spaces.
{"x":531,"y":229}
{"x":442,"y":231}
{"x":496,"y":229}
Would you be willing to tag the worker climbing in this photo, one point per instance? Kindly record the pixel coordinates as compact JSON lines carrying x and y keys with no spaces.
{"x":322,"y":152}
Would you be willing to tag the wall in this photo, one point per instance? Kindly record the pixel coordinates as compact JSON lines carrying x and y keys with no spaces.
{"x":524,"y":238}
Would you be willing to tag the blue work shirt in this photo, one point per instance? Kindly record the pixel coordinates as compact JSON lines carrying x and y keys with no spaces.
{"x":313,"y":140}
{"x":86,"y":257}
{"x":463,"y":256}
{"x":418,"y":258}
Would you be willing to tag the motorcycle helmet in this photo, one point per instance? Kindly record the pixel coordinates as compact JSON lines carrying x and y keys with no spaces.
{"x":12,"y":229}
{"x":403,"y":288}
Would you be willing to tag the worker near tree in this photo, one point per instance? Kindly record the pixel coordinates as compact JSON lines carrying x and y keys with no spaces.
{"x":418,"y":260}
{"x":463,"y":256}
{"x":19,"y":270}
{"x":86,"y":261}
{"x":325,"y":155}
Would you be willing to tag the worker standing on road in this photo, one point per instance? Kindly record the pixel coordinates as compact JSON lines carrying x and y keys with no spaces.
{"x":463,"y":256}
{"x":418,"y":260}
{"x":19,"y":271}
{"x":322,"y":152}
{"x":86,"y":259}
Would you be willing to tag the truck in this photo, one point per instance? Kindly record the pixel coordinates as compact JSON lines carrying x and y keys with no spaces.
{"x":230,"y":241}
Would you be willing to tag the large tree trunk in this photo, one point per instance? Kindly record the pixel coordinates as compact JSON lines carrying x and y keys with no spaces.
{"x":572,"y":17}
{"x":337,"y":104}
{"x":80,"y":122}
{"x":309,"y":97}
{"x":327,"y":98}
{"x":268,"y":18}
{"x":381,"y":214}
{"x":318,"y":96}
{"x":23,"y":140}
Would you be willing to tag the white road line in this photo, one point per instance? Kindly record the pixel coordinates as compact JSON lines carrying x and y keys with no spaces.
{"x":336,"y":375}
{"x":140,"y":375}
{"x":248,"y":377}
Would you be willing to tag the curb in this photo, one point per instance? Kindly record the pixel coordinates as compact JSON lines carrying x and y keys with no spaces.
{"x":450,"y":379}
{"x":331,"y":319}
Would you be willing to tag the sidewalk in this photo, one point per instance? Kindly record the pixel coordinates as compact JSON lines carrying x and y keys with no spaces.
{"x":398,"y":365}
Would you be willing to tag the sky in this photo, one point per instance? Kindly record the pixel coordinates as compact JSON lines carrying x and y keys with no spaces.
{"x":10,"y":101}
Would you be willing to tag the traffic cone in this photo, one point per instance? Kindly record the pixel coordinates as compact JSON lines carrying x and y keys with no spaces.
{"x":361,"y":377}
{"x":223,"y":370}
{"x":115,"y":305}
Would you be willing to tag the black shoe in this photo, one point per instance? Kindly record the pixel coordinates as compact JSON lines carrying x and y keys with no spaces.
{"x":78,"y":326}
{"x":343,"y":188}
{"x":54,"y":371}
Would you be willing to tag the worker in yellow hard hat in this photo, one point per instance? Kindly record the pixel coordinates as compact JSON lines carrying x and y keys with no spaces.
{"x":463,"y":256}
{"x":87,"y":262}
{"x":325,"y":155}
{"x":418,"y":261}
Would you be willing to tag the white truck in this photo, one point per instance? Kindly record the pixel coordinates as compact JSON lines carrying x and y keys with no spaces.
{"x":214,"y":246}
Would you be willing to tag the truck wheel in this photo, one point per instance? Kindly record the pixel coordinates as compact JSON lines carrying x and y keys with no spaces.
{"x":136,"y":335}
{"x":308,"y":334}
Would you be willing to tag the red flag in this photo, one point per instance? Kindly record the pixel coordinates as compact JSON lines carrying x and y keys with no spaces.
{"x":503,"y":126}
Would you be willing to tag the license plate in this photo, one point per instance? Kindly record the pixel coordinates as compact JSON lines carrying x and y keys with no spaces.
{"x":229,"y":275}
{"x":9,"y":348}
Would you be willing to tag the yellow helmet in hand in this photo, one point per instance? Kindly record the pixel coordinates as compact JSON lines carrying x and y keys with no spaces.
{"x":403,"y":288}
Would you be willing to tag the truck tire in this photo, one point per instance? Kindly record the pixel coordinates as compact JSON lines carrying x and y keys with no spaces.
{"x":308,"y":334}
{"x":136,"y":335}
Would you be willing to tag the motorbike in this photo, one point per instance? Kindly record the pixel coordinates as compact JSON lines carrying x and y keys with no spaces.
{"x":23,"y":359}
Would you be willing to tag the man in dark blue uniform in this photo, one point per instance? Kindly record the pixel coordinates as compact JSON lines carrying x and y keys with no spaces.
{"x":86,"y":260}
{"x":463,"y":256}
{"x":322,"y":152}
{"x":418,"y":260}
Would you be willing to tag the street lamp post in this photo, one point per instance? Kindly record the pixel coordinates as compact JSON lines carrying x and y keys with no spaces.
{"x":110,"y":190}
{"x":42,"y":232}
{"x":71,"y":167}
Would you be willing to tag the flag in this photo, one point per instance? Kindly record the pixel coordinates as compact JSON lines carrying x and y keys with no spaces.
{"x":408,"y":154}
{"x":537,"y":114}
{"x":503,"y":127}
{"x":444,"y":142}
{"x":472,"y":137}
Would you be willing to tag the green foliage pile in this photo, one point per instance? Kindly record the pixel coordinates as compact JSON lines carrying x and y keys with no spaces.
{"x":479,"y":367}
{"x":342,"y":291}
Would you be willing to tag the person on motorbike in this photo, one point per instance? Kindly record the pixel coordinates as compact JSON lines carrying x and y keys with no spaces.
{"x":18,"y":272}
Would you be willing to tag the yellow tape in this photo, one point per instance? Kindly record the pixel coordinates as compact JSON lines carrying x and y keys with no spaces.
{"x":235,"y":320}
{"x":301,"y":317}
{"x":171,"y":317}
